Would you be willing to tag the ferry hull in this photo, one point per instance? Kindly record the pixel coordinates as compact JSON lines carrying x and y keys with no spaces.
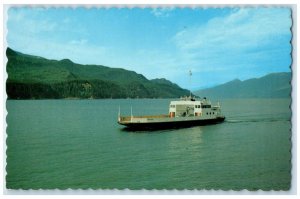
{"x":171,"y":124}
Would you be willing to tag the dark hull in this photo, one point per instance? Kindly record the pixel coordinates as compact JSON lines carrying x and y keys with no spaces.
{"x":172,"y":125}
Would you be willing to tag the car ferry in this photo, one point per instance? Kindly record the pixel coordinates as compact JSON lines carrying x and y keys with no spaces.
{"x":186,"y":112}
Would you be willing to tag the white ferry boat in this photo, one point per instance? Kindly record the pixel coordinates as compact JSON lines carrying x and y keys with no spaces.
{"x":185,"y":112}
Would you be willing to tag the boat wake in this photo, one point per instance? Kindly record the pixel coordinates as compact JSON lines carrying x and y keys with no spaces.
{"x":257,"y":120}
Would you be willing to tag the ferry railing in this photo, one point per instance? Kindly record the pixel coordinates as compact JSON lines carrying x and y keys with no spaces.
{"x":128,"y":118}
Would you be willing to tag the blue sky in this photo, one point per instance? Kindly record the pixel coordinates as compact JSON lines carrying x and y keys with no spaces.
{"x":216,"y":44}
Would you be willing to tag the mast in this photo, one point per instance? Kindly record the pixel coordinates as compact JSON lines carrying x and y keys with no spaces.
{"x":119,"y":114}
{"x":131,"y":116}
{"x":190,"y":74}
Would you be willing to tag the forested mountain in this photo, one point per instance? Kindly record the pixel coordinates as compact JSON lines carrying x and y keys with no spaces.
{"x":274,"y":85}
{"x":33,"y":77}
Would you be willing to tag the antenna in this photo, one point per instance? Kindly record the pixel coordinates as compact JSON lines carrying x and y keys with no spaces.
{"x":119,"y":114}
{"x":131,"y":116}
{"x":190,"y":74}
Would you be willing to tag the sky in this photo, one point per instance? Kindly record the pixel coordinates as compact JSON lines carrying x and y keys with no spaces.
{"x":216,"y":44}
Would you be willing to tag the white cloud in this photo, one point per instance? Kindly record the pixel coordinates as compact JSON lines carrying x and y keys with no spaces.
{"x":66,"y":20}
{"x":243,"y":29}
{"x":35,"y":22}
{"x":226,"y":40}
{"x":27,"y":24}
{"x":79,"y":51}
{"x":34,"y":32}
{"x":79,"y":42}
{"x":162,"y":12}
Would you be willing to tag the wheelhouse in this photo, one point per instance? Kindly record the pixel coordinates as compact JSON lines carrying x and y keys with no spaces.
{"x":189,"y":107}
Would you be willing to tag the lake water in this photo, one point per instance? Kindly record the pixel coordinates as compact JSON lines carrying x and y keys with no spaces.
{"x":78,"y":144}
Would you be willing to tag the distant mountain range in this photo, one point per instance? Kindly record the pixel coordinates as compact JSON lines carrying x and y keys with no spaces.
{"x":33,"y":77}
{"x":274,"y":85}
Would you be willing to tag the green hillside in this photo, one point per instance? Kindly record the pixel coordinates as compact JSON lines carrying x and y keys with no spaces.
{"x":274,"y":85}
{"x":32,"y":77}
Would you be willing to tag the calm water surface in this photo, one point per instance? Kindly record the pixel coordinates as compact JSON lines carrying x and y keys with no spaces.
{"x":78,"y":144}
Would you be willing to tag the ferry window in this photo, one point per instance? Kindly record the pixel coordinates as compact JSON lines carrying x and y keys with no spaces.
{"x":213,"y":112}
{"x":206,"y":113}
